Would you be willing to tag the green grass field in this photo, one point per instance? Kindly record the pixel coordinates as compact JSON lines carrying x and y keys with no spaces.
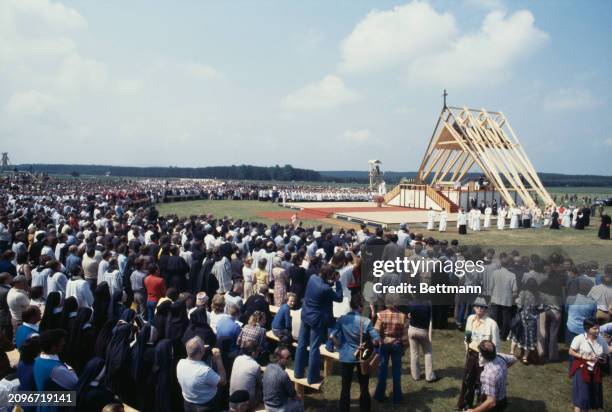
{"x":531,"y":388}
{"x":246,"y":210}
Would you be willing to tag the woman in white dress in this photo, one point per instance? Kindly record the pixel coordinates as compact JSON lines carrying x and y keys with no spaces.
{"x":501,"y":218}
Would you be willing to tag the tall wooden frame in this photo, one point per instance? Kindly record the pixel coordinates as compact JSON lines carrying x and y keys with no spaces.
{"x":466,"y":137}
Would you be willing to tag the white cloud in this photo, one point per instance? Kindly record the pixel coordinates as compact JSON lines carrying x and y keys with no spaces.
{"x":608,"y":142}
{"x":201,"y":71}
{"x":357,"y":136}
{"x":385,"y":39}
{"x":328,"y":93}
{"x":77,"y":75}
{"x":54,"y":15}
{"x":428,"y":48}
{"x":570,"y":99}
{"x":36,"y":28}
{"x":30,"y":103}
{"x":484,"y":57}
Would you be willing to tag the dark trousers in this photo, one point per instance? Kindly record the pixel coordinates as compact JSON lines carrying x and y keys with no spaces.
{"x":471,"y":380}
{"x":312,"y":336}
{"x":503,"y":316}
{"x":345,"y":394}
{"x":210,"y":406}
{"x":393,"y":351}
{"x":462,"y":230}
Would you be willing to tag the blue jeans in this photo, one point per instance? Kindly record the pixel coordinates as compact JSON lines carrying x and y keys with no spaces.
{"x":393,"y":351}
{"x":313,"y":336}
{"x":460,"y":319}
{"x":150,"y":310}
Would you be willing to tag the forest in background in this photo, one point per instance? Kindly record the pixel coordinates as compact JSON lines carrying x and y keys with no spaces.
{"x":277,"y":173}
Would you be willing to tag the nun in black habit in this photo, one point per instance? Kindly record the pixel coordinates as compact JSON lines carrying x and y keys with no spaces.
{"x":176,"y":324}
{"x":117,"y":375}
{"x":100,"y":305}
{"x":143,"y":358}
{"x":167,"y":392}
{"x":69,"y":312}
{"x":162,"y":312}
{"x":52,"y":316}
{"x":81,"y":340}
{"x":91,"y":394}
{"x":198,"y":326}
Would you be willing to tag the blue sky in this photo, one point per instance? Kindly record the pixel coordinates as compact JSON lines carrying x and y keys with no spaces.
{"x":317,"y":84}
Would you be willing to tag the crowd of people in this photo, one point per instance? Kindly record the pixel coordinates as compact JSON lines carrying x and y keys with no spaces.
{"x":152,"y":191}
{"x":107,"y":298}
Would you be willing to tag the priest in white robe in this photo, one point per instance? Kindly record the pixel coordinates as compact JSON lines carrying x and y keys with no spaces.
{"x":443,"y":220}
{"x":501,"y":218}
{"x":476,"y":220}
{"x":487,"y":217}
{"x":514,"y":217}
{"x":431,"y":219}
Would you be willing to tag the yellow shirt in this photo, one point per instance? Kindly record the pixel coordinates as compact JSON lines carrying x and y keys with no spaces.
{"x":482,"y":329}
{"x":261,"y":277}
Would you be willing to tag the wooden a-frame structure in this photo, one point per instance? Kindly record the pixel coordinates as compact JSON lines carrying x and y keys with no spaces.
{"x":466,"y":137}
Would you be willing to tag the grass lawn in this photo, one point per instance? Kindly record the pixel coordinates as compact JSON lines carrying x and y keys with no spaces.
{"x":530,"y":388}
{"x":237,"y":209}
{"x":581,"y":245}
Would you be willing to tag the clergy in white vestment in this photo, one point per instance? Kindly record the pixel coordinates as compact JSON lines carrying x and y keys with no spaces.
{"x":476,"y":220}
{"x":501,"y":218}
{"x":514,"y":217}
{"x":487,"y":217}
{"x":431,"y":218}
{"x":566,"y":221}
{"x":443,"y":219}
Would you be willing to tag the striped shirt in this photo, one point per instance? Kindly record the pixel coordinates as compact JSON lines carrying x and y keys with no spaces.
{"x":494,"y":376}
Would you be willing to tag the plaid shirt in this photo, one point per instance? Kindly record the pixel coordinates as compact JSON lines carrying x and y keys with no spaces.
{"x":251,"y":333}
{"x":391,"y":324}
{"x":494,"y":376}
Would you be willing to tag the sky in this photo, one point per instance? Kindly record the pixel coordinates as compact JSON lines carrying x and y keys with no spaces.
{"x":325,"y":85}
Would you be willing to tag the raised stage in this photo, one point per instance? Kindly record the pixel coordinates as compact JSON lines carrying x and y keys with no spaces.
{"x":363,"y":212}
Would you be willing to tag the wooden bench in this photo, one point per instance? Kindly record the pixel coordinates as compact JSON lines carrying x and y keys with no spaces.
{"x":328,"y":357}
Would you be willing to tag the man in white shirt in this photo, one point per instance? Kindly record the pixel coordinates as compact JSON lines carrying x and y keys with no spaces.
{"x":17,"y":299}
{"x":199,"y":382}
{"x":247,"y":375}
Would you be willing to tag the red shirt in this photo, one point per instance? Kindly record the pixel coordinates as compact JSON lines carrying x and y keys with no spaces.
{"x":156,"y":288}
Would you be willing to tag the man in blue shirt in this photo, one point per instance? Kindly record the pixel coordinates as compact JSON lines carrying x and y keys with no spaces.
{"x":228,"y":328}
{"x":317,"y":316}
{"x":281,"y":324}
{"x":347,"y":336}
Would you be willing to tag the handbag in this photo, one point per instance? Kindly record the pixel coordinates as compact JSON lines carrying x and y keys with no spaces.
{"x":366,"y":356}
